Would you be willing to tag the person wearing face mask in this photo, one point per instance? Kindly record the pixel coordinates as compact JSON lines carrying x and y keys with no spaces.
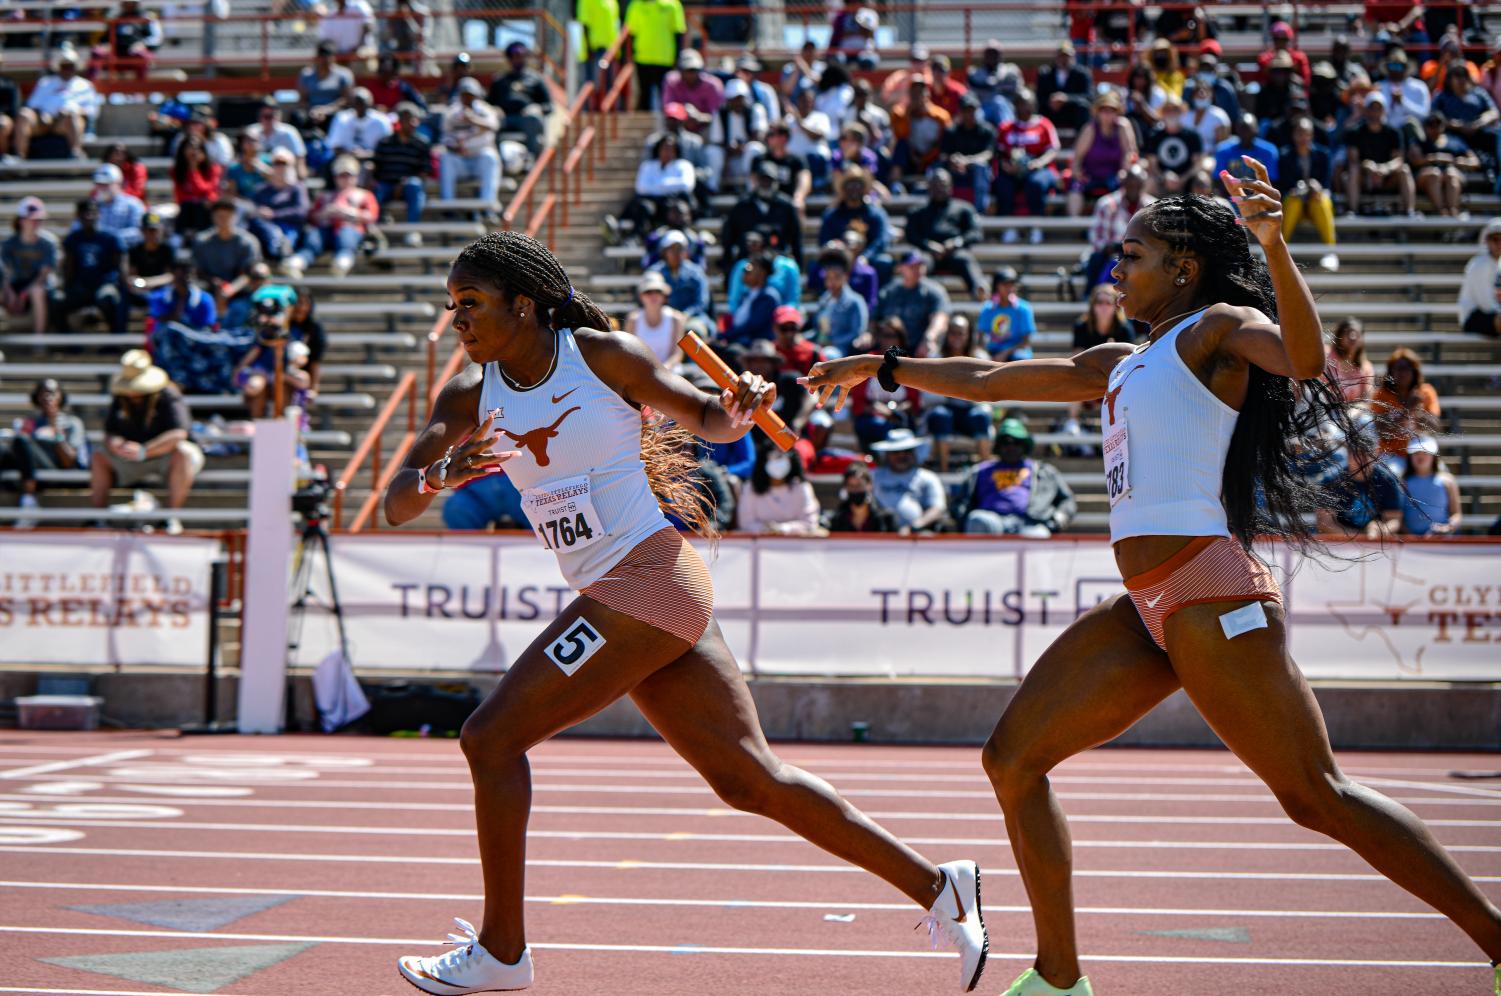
{"x":1166,"y":72}
{"x":856,"y":512}
{"x":1014,"y":495}
{"x":1407,"y":99}
{"x":1174,"y":153}
{"x":766,"y":209}
{"x":779,"y":500}
{"x":1224,"y":90}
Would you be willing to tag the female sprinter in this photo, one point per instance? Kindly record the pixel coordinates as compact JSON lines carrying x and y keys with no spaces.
{"x":1197,"y":421}
{"x":570,"y":398}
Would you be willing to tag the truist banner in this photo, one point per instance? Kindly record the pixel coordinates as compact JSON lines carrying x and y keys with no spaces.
{"x":104,"y":598}
{"x":907,"y":608}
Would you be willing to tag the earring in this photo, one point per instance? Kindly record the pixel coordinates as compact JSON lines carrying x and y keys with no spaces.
{"x":522,"y":314}
{"x":1181,"y":280}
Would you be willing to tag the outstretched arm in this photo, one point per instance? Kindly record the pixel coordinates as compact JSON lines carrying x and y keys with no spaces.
{"x":1081,"y":377}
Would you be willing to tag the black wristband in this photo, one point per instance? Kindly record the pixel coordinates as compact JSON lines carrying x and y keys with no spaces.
{"x":886,"y":376}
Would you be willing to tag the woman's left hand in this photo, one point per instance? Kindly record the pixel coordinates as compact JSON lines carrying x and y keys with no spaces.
{"x":1259,"y":202}
{"x":751,"y":394}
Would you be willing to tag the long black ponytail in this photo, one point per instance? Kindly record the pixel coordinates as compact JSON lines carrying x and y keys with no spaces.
{"x":1284,"y":425}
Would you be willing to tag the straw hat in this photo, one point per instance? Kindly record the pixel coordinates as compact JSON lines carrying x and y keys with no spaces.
{"x":138,"y":375}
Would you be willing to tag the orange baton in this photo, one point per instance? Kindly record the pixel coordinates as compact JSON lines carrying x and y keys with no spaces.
{"x":769,"y":422}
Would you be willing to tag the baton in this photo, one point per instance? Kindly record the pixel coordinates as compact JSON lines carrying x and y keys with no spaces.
{"x":719,"y":372}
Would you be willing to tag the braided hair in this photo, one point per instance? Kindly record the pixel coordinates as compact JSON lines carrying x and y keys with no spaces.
{"x":1282,"y":423}
{"x":518,"y":264}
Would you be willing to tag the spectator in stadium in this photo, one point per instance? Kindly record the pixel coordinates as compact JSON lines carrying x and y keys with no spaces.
{"x":876,"y":411}
{"x":1405,"y":406}
{"x":808,"y":136}
{"x":855,"y":209}
{"x":658,"y":30}
{"x":29,"y":259}
{"x":1014,"y":495}
{"x":897,"y":83}
{"x":1469,"y":114}
{"x":863,"y":277}
{"x":852,"y":35}
{"x":1432,"y":506}
{"x":945,"y":228}
{"x":1230,"y":154}
{"x":767,"y":210}
{"x":677,"y":216}
{"x":1406,"y":99}
{"x":1174,"y":152}
{"x":1374,"y":154}
{"x":874,"y":118}
{"x":1348,"y":365}
{"x":753,"y":319}
{"x":145,"y":436}
{"x":1064,"y":89}
{"x":1479,"y":312}
{"x":119,"y":213}
{"x":665,"y":176}
{"x":968,"y":152}
{"x":763,"y":94}
{"x":197,"y":182}
{"x":945,"y":417}
{"x":1326,"y":102}
{"x":1186,"y":27}
{"x":918,"y":125}
{"x":181,"y":301}
{"x":691,"y":146}
{"x":794,"y":179}
{"x":841,"y":315}
{"x":388,"y":90}
{"x":340,"y":219}
{"x":149,"y":262}
{"x":91,"y":271}
{"x":348,"y":25}
{"x":857,"y":513}
{"x":779,"y":500}
{"x":994,"y":82}
{"x":785,"y":275}
{"x":322,"y":86}
{"x":224,"y":254}
{"x":599,"y":26}
{"x":1305,"y":176}
{"x":688,"y":283}
{"x":1105,"y":148}
{"x":247,"y":173}
{"x":736,"y":136}
{"x":303,"y":326}
{"x":1204,"y":117}
{"x":658,"y":326}
{"x":1282,"y":93}
{"x":61,"y":103}
{"x":1104,"y":321}
{"x":1225,"y":86}
{"x":273,"y":133}
{"x":1167,"y":74}
{"x":255,"y":374}
{"x":132,"y":170}
{"x":701,"y":94}
{"x":1367,"y":500}
{"x":471,"y":129}
{"x":280,"y":212}
{"x":10,"y":113}
{"x":833,"y":94}
{"x":919,"y":301}
{"x":400,"y":165}
{"x":132,"y":37}
{"x":1028,"y":150}
{"x":522,"y":98}
{"x":1006,"y":323}
{"x":1111,"y":215}
{"x":853,"y":149}
{"x":943,"y":89}
{"x":358,"y":128}
{"x":797,"y":351}
{"x":51,"y":438}
{"x":1450,"y":58}
{"x":1282,"y":44}
{"x":913,"y":493}
{"x":1143,"y":100}
{"x":1440,"y":162}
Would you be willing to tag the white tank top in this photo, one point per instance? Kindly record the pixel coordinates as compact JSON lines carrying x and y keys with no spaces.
{"x":658,"y":337}
{"x":582,"y":482}
{"x":1166,"y":439}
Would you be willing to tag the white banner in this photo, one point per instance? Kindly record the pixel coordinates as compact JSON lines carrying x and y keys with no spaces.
{"x":902,"y":607}
{"x":104,"y":598}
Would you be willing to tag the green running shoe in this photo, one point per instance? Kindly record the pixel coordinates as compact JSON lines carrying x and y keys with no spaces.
{"x":1029,"y":983}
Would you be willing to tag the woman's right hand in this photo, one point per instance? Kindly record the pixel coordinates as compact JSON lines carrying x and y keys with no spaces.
{"x":476,"y":457}
{"x":833,"y":379}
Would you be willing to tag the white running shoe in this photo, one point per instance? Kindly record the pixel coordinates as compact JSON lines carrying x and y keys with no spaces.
{"x":957,"y":919}
{"x":1029,"y":983}
{"x":468,"y":968}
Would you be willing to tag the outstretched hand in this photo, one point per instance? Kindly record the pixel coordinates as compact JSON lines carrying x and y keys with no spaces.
{"x":834,"y":379}
{"x":1259,"y":202}
{"x":476,"y":456}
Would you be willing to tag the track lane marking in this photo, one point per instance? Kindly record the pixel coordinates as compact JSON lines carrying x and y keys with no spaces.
{"x":38,"y":770}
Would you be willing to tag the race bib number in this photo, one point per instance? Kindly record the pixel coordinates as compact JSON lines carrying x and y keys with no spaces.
{"x":574,"y":647}
{"x":562,"y":514}
{"x":1117,"y":463}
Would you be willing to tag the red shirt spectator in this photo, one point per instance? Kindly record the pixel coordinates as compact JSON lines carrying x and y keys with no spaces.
{"x":1282,"y":41}
{"x":797,"y":352}
{"x":944,"y":90}
{"x":1034,"y":136}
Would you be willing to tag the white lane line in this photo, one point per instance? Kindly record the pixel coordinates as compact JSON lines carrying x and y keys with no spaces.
{"x":990,"y":817}
{"x":628,"y":864}
{"x":675,"y":836}
{"x":85,"y":992}
{"x":1456,"y":789}
{"x":767,"y":904}
{"x":38,"y":770}
{"x":761,"y":952}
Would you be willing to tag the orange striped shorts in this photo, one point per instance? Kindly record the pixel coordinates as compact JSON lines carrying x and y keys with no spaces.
{"x":662,"y":582}
{"x":1208,"y":569}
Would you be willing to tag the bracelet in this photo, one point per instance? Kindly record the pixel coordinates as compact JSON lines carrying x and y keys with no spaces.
{"x":423,"y":488}
{"x":886,"y":376}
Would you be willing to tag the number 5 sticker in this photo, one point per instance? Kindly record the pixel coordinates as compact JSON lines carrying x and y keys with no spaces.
{"x":575,"y":646}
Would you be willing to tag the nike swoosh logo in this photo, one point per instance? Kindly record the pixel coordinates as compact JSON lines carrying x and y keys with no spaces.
{"x":1153,"y":603}
{"x":963,"y":914}
{"x":559,"y":397}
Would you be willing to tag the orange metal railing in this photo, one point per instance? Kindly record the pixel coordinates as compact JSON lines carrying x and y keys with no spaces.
{"x":382,"y":468}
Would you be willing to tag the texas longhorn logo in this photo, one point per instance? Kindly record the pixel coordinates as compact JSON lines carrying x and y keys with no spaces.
{"x":536,"y":440}
{"x":1114,"y":393}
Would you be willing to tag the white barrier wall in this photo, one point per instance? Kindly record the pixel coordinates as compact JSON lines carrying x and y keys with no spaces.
{"x":896,"y":607}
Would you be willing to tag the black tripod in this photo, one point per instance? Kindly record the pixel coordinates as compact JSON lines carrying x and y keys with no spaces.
{"x":314,"y":538}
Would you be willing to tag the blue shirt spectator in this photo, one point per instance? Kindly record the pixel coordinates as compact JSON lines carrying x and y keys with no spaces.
{"x":785,"y":277}
{"x":1227,"y":156}
{"x":689,"y":283}
{"x":737,"y":458}
{"x":871,"y":219}
{"x":1006,"y":323}
{"x":187,"y":305}
{"x":94,"y":257}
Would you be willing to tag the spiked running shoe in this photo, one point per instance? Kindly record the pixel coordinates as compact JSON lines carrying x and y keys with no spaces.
{"x":956,"y":919}
{"x":1029,"y":983}
{"x":468,"y":968}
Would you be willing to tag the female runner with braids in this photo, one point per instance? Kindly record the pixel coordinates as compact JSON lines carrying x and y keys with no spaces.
{"x":571,"y":397}
{"x":1199,"y":422}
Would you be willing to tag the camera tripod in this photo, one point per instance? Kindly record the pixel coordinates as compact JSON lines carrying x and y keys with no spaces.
{"x":314,"y":538}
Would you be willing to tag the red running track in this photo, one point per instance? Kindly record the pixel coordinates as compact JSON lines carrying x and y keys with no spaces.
{"x":141,"y":863}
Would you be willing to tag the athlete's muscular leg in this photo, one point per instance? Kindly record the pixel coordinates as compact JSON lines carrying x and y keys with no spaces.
{"x":1283,"y":740}
{"x":535,"y":700}
{"x":1100,"y":676}
{"x":703,"y":709}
